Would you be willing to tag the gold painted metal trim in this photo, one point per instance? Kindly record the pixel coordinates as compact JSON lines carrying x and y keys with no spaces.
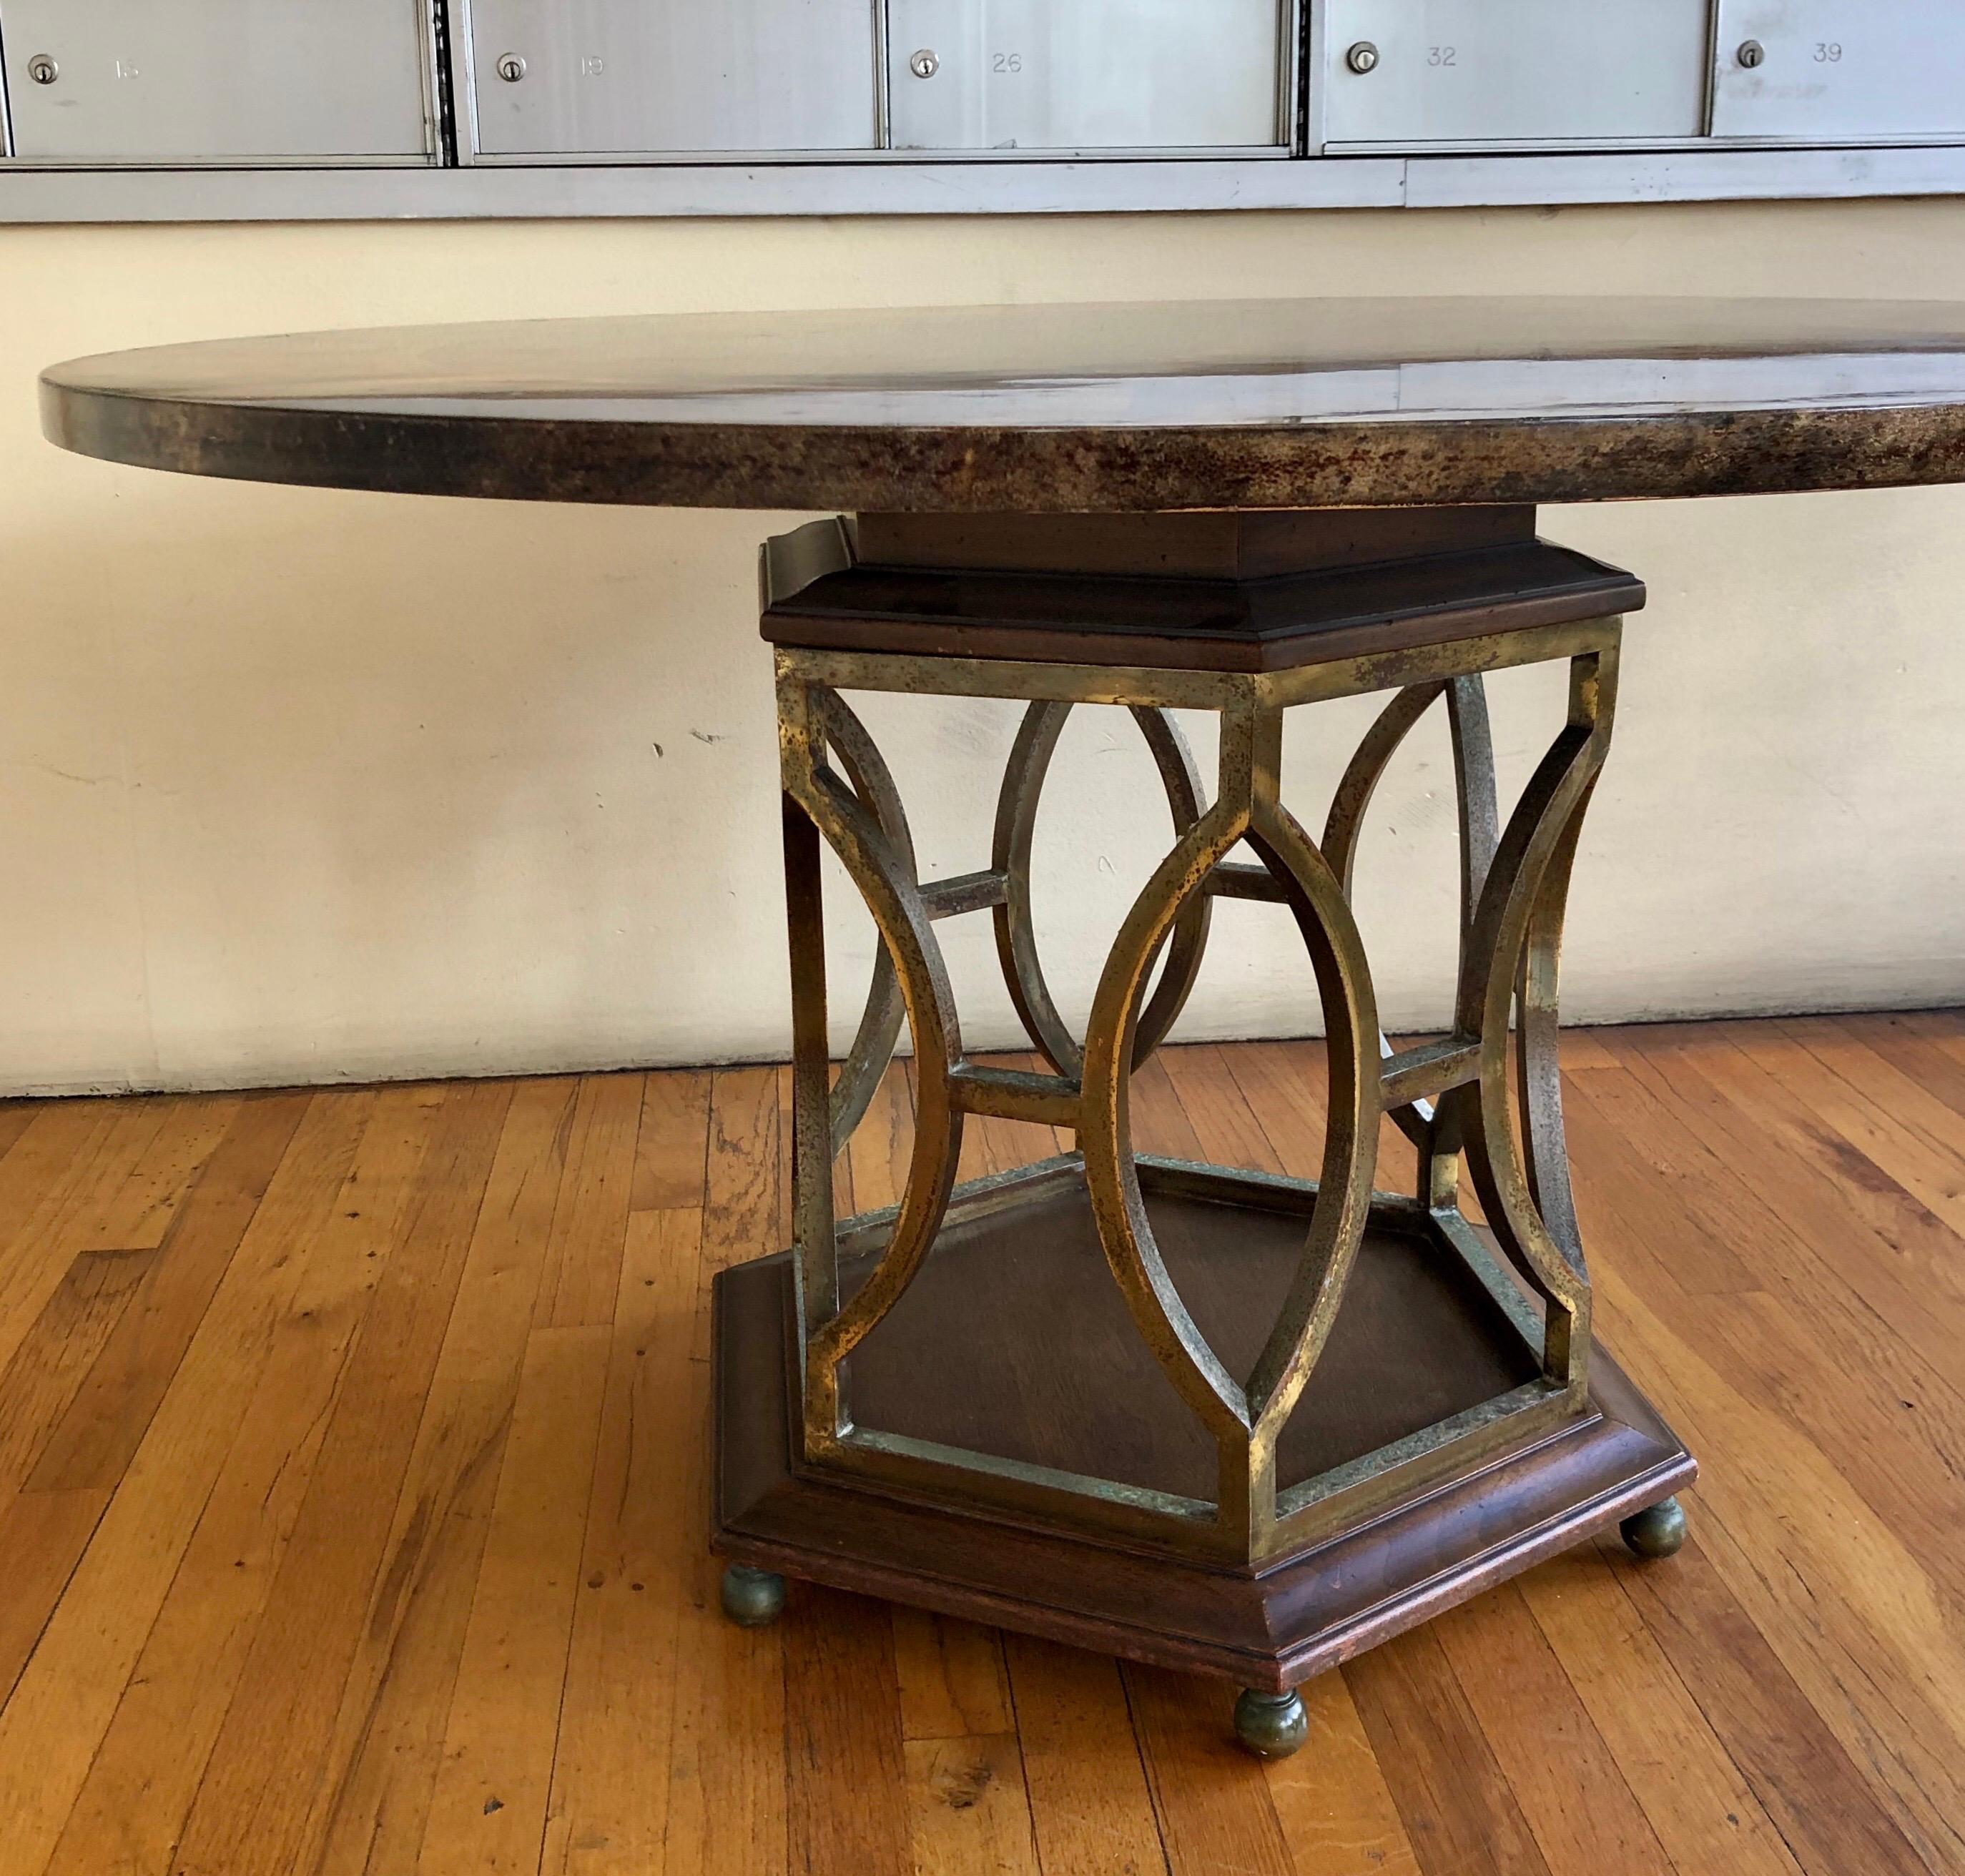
{"x":1413,"y":1074}
{"x":1011,"y":1094}
{"x":1176,"y":690}
{"x":1015,"y":923}
{"x":1451,"y":1096}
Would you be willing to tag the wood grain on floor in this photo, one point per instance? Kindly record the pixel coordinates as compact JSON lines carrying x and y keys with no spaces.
{"x":353,"y":1494}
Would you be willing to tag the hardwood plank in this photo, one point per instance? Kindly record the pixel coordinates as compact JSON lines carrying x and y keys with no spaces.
{"x":251,"y":1812}
{"x":1210,"y":1796}
{"x":54,"y":1358}
{"x":81,"y":1168}
{"x":45,"y":1166}
{"x":373,"y":1804}
{"x":953,"y":1684}
{"x":1787,"y":1133}
{"x":1619,"y":1131}
{"x":141,"y":1783}
{"x":16,"y":1117}
{"x":727,"y":1775}
{"x":42,"y":1535}
{"x":726,"y":1805}
{"x":1284,"y":1084}
{"x":1089,"y":1802}
{"x":969,"y":1813}
{"x":883,"y":1143}
{"x":489,"y":1810}
{"x":1584,"y":1817}
{"x":137,"y":1213}
{"x":373,"y":1801}
{"x":848,"y":1800}
{"x":1794,"y":1701}
{"x":1930,"y":1050}
{"x":1589,"y":1048}
{"x":96,"y":1438}
{"x":64,"y":1701}
{"x":1931,"y":1174}
{"x":1695,"y":1796}
{"x":1828,"y":1819}
{"x":671,"y":1142}
{"x":1218,"y":1110}
{"x":1852,"y":1619}
{"x":143,"y":1777}
{"x":1907,"y":1100}
{"x":1854,"y":1357}
{"x":1160,"y":1123}
{"x":1336,"y":1813}
{"x":1460,"y":1813}
{"x":1810,"y":1339}
{"x":1944,"y":1026}
{"x":740,"y":1203}
{"x":610,"y":1809}
{"x":1885,"y":1249}
{"x":583,"y":1266}
{"x":1918,"y":1039}
{"x":1895,"y":1426}
{"x":98,"y":1196}
{"x":1857,"y":1619}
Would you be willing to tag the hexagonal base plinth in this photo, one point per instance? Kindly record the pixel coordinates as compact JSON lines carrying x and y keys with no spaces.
{"x":1447,"y":1539}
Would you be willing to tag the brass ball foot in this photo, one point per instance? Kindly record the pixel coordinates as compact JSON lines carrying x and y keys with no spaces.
{"x":1657,"y":1531}
{"x":752,"y":1598}
{"x":1272,"y":1726}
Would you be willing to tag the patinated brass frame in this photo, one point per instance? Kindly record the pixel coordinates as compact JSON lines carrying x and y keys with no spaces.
{"x":1452,"y":1097}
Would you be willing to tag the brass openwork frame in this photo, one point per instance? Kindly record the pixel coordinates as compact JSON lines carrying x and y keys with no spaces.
{"x":1487,"y":1096}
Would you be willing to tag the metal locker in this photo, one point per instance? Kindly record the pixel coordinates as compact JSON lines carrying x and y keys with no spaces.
{"x":1839,"y":71}
{"x":568,"y":78}
{"x":1037,"y":74}
{"x":218,"y":80}
{"x":1406,"y":73}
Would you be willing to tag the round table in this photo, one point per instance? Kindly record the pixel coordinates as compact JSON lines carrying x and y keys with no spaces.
{"x":1244,"y":1425}
{"x":1065,"y":409}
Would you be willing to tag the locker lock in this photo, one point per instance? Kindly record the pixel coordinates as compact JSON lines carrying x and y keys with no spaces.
{"x":1751,"y":54}
{"x":42,"y":69}
{"x":924,"y":64}
{"x":511,"y":68}
{"x":1363,"y":57}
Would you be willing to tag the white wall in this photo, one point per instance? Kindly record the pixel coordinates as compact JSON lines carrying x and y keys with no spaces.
{"x":298,"y":785}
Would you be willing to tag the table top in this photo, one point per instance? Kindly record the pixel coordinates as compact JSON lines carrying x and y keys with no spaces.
{"x":1342,"y":402}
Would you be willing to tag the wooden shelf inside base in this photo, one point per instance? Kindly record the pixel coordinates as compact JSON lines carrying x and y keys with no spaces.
{"x":1012,"y":1341}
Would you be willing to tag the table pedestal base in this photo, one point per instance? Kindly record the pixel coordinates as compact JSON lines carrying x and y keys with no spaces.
{"x":1211,"y":1419}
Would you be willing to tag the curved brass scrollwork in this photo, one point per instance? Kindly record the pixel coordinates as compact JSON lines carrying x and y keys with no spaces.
{"x":1016,"y":934}
{"x":1105,"y":1128}
{"x":1474,"y":793}
{"x":867,"y":1061}
{"x":1452,"y":1097}
{"x":809,"y":716}
{"x":1513,"y":953}
{"x":1514,"y":890}
{"x":1351,"y":1137}
{"x":1244,"y":1419}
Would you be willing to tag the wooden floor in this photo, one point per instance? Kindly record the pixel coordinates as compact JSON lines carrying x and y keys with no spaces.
{"x":351,"y":1508}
